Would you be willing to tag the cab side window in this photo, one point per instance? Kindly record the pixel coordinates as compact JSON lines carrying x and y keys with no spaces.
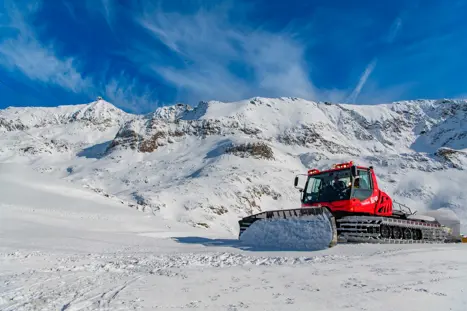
{"x":365,"y":180}
{"x":362,"y":189}
{"x":312,"y":190}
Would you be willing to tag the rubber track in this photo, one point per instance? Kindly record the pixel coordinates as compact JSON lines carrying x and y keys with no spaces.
{"x":366,"y":229}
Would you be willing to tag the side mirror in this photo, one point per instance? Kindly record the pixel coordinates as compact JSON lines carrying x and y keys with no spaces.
{"x":353,"y":170}
{"x":295,"y":183}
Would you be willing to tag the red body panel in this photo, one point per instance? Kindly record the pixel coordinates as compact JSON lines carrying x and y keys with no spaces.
{"x":378,"y":203}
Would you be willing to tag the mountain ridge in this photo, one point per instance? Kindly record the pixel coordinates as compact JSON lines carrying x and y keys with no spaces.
{"x":210,"y":164}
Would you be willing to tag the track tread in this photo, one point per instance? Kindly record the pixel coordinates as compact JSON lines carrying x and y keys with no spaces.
{"x":361,"y":229}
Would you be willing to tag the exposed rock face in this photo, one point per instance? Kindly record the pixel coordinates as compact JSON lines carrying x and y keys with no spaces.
{"x":11,"y":125}
{"x":400,"y":126}
{"x":455,"y":158}
{"x":258,"y":150}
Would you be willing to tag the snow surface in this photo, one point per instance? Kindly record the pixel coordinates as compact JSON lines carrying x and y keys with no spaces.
{"x":89,"y":221}
{"x":63,"y":247}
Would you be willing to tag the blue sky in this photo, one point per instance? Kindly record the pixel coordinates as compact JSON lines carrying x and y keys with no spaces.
{"x":143,"y":54}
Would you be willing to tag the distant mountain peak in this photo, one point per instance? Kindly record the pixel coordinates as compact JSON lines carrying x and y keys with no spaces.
{"x":99,"y":111}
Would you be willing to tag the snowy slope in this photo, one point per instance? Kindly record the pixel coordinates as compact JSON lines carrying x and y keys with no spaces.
{"x":63,"y":247}
{"x":31,"y":133}
{"x":41,"y":212}
{"x":210,"y":165}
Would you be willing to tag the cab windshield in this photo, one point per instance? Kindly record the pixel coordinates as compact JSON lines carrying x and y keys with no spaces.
{"x":326,"y":187}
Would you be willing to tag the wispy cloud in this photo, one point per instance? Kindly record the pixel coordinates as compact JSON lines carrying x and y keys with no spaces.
{"x":361,"y":82}
{"x":127,"y":94}
{"x":220,"y":57}
{"x":226,"y":61}
{"x":24,"y":53}
{"x":104,"y":8}
{"x":373,"y":93}
{"x":393,"y":30}
{"x":395,"y":27}
{"x":204,"y":53}
{"x":21,"y":52}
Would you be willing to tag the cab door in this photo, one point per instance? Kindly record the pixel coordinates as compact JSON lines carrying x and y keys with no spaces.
{"x":364,"y":191}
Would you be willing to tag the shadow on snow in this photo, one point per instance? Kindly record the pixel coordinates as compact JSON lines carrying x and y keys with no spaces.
{"x":95,"y":152}
{"x":235,"y":244}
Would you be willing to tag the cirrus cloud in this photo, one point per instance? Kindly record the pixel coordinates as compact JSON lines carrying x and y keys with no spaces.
{"x":25,"y":56}
{"x":211,"y":51}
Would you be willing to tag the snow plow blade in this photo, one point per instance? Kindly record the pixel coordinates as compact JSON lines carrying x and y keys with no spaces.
{"x":302,"y":228}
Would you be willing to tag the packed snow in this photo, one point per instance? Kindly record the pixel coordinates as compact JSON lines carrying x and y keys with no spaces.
{"x":67,"y":248}
{"x":105,"y":210}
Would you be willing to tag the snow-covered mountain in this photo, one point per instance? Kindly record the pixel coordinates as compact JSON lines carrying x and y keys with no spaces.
{"x":58,"y":131}
{"x":216,"y":162}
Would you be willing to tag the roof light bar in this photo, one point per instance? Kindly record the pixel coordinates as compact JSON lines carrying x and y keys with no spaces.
{"x":342,"y":165}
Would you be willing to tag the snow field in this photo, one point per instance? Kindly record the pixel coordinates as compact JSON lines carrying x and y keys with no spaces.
{"x":398,"y":278}
{"x":55,"y":256}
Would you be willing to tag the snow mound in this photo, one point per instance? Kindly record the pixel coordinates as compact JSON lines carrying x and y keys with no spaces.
{"x":307,"y":234}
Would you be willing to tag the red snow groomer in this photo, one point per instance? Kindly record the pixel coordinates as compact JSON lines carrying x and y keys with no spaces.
{"x":357,"y":209}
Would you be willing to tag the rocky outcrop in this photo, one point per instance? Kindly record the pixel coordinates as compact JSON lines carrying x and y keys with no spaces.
{"x":310,"y":135}
{"x":150,"y":133}
{"x":393,"y":128}
{"x":454,"y":158}
{"x":257,"y":150}
{"x":46,"y":147}
{"x":12,"y":125}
